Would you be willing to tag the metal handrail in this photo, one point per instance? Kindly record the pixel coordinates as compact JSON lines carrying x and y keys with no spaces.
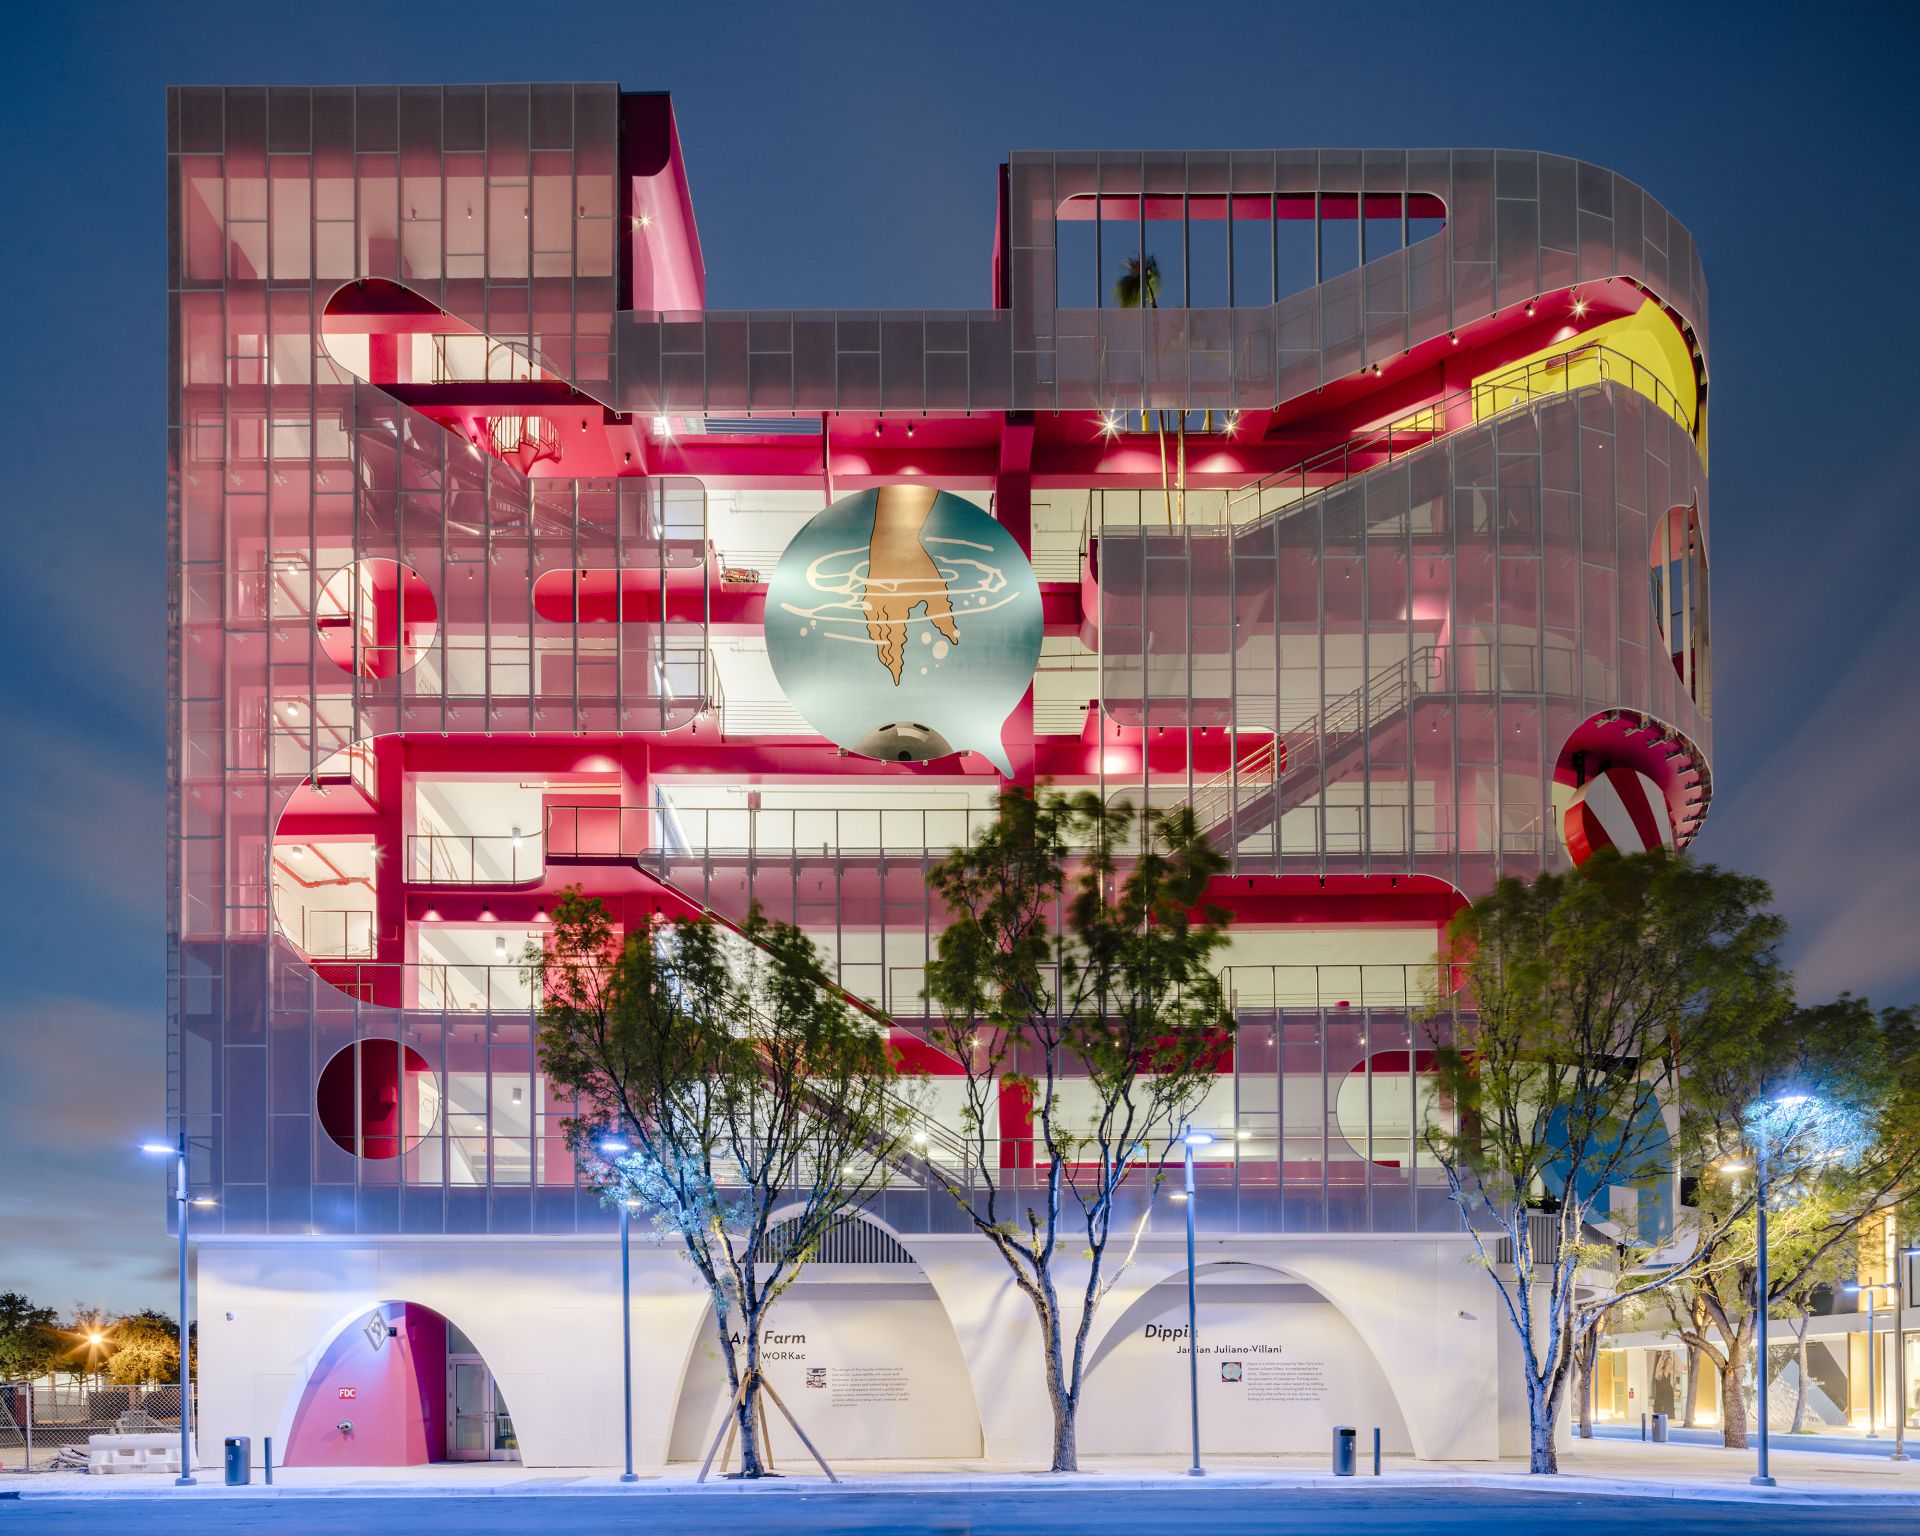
{"x":1496,"y":395}
{"x":450,"y":858}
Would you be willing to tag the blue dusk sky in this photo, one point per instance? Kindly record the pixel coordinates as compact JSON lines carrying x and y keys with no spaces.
{"x":845,"y":154}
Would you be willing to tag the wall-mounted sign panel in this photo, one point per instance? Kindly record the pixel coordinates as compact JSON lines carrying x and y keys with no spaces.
{"x":871,"y":1369}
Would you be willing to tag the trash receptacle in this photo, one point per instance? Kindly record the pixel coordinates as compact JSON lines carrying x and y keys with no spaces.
{"x":239,"y":1460}
{"x":1344,"y":1450}
{"x":1659,"y":1429}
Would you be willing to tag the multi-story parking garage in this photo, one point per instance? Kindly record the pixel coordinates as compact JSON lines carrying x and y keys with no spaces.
{"x":1374,"y":527}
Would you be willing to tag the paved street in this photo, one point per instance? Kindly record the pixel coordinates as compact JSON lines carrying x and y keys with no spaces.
{"x":1246,"y":1512}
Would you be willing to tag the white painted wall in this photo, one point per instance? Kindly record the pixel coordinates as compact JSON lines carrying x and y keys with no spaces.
{"x":1406,"y":1328}
{"x":1279,"y":1367}
{"x":871,"y":1369}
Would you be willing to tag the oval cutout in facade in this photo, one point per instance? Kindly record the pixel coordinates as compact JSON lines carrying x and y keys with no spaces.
{"x":377,"y":1099}
{"x":376,"y":617}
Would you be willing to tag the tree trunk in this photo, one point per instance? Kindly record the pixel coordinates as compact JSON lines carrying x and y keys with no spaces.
{"x":746,"y":1423}
{"x":1066,"y":1446}
{"x":1694,"y":1358}
{"x":1542,"y":1455}
{"x":1800,"y":1383}
{"x":1586,"y":1361}
{"x":1733,"y":1397}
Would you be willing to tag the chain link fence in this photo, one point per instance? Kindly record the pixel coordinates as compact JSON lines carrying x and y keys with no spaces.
{"x":45,"y":1425}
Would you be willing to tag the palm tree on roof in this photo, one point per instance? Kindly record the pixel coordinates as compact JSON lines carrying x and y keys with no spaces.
{"x":1139,"y":284}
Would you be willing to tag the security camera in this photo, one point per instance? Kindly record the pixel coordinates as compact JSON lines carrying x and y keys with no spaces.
{"x":345,"y":1426}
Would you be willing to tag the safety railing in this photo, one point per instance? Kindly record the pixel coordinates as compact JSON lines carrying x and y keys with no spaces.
{"x":327,"y":933}
{"x":446,"y":858}
{"x":601,"y":833}
{"x":1284,"y":491}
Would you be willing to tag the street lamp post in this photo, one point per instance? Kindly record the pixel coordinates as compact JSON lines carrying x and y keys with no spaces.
{"x":612,"y":1147}
{"x":186,"y":1478}
{"x":1897,"y":1286}
{"x":1901,"y":1259}
{"x":1873,"y":1386}
{"x":1189,"y":1139}
{"x":1761,"y":1478}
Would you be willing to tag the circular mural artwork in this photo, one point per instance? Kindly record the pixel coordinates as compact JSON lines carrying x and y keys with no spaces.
{"x":376,"y":617}
{"x":904,"y":624}
{"x":377,"y":1099}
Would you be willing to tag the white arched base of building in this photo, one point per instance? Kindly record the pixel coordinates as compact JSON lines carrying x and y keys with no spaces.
{"x":939,"y":1359}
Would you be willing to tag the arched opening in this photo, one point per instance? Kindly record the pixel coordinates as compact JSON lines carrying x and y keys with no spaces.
{"x":1280,"y":1365}
{"x":399,"y":1386}
{"x":862,"y":1352}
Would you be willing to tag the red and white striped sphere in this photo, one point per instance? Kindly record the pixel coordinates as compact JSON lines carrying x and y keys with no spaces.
{"x":1621,"y":808}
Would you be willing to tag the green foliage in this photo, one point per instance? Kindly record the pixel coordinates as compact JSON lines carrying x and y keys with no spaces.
{"x":1589,"y":994}
{"x":746,"y":1085}
{"x":1066,"y":964}
{"x":1590,"y":997}
{"x":146,"y":1349}
{"x":30,"y":1340}
{"x":1829,"y":1097}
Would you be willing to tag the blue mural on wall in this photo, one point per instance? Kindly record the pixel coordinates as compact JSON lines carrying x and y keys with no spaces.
{"x":904,"y":624}
{"x":1647,"y":1171}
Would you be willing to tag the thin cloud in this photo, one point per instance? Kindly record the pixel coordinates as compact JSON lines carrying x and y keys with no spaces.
{"x":1831,"y":818}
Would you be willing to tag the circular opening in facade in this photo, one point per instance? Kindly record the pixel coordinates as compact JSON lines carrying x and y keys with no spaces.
{"x":376,"y":617}
{"x":377,"y":1099}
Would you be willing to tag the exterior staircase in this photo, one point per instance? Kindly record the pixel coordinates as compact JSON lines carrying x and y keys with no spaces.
{"x":1284,"y":773}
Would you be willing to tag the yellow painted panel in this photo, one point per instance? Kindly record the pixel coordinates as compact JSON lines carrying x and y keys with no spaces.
{"x":1644,"y":351}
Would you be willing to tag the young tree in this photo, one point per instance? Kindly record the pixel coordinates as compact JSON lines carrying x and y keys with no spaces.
{"x":30,"y":1342}
{"x":758,"y":1107}
{"x":1085,"y":993}
{"x":1830,"y":1095}
{"x":1587,"y":995}
{"x":146,"y":1349}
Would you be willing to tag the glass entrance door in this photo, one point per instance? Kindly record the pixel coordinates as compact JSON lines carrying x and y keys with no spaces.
{"x":479,"y":1427}
{"x":470,"y":1415}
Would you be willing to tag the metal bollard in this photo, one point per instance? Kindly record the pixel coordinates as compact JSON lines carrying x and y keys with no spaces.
{"x":1376,"y":1450}
{"x":267,"y":1446}
{"x":1643,"y":1426}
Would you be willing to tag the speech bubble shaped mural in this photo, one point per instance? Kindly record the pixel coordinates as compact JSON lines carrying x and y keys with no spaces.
{"x":904,"y":624}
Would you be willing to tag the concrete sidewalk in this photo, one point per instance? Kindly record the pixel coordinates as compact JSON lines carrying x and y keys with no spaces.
{"x":1588,"y":1468}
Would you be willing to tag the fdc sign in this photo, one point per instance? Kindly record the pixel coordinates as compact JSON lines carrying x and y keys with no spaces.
{"x":904,"y":624}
